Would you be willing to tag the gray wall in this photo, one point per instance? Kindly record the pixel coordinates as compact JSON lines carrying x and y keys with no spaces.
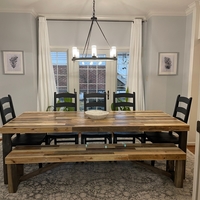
{"x":188,"y":36}
{"x":164,"y":34}
{"x":18,"y":32}
{"x":74,"y":33}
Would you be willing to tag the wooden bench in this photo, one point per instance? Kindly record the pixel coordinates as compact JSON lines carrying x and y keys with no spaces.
{"x":54,"y":155}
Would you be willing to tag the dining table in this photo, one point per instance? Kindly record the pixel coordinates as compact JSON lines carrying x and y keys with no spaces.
{"x":77,"y":121}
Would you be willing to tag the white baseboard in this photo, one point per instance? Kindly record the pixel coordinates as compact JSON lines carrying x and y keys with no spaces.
{"x":191,"y":143}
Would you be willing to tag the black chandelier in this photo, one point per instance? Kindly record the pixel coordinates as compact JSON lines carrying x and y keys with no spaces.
{"x":85,"y":57}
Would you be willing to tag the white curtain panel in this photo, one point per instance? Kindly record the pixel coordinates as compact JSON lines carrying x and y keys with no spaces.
{"x":46,"y":79}
{"x":135,"y":78}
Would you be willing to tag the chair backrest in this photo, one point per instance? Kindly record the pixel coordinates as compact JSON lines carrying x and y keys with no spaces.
{"x":65,"y":101}
{"x":94,"y":101}
{"x":123,"y":101}
{"x":7,"y":109}
{"x":198,"y":126}
{"x":182,"y":108}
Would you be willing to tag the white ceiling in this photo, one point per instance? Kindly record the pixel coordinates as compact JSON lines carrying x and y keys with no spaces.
{"x":120,"y":9}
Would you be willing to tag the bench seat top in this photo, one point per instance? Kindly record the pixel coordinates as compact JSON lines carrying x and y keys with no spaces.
{"x":93,"y":152}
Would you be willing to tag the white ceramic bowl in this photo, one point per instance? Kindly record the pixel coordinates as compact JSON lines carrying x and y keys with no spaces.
{"x":96,"y":114}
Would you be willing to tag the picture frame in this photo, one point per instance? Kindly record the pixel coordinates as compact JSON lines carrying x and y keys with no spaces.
{"x":168,"y":63}
{"x":13,"y":62}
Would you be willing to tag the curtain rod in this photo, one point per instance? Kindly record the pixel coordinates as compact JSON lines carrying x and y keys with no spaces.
{"x":100,"y":20}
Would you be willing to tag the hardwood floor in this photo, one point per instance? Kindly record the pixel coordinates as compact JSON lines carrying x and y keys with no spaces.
{"x":191,"y":148}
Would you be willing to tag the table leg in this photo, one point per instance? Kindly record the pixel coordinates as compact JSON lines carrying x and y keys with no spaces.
{"x":13,"y":177}
{"x":178,"y":176}
{"x":183,"y":146}
{"x":6,"y":149}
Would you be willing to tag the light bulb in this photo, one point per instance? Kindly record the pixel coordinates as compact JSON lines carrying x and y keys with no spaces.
{"x":113,"y":52}
{"x":77,"y":53}
{"x":74,"y":51}
{"x":94,"y":50}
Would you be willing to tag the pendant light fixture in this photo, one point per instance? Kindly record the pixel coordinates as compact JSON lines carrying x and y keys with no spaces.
{"x":85,"y":56}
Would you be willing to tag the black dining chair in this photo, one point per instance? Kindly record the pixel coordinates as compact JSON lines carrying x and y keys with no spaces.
{"x":95,"y":101}
{"x":125,"y":102}
{"x":181,"y":112}
{"x":7,"y":114}
{"x":198,"y":126}
{"x":64,"y":102}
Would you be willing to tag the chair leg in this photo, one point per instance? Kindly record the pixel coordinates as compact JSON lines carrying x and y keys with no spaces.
{"x":110,"y":139}
{"x":152,"y":162}
{"x":170,"y":165}
{"x":115,"y":139}
{"x":40,"y":165}
{"x":82,"y":140}
{"x":143,"y":140}
{"x":47,"y":140}
{"x":76,"y":139}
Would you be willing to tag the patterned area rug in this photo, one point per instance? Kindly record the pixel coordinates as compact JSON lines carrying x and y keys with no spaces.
{"x":100,"y":181}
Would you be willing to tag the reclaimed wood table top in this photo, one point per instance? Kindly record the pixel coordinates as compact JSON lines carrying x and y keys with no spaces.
{"x":59,"y":121}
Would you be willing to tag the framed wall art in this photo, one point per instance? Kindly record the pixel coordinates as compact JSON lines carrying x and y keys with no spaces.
{"x":13,"y":62}
{"x":168,"y":63}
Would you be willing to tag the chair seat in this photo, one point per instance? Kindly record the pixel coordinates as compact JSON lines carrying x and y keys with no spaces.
{"x":161,"y":137}
{"x":103,"y":135}
{"x":128,"y":137}
{"x":128,"y":134}
{"x":28,"y":139}
{"x":62,"y":135}
{"x":95,"y":134}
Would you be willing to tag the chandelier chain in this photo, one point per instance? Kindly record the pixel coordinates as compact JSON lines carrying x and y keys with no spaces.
{"x":93,"y":8}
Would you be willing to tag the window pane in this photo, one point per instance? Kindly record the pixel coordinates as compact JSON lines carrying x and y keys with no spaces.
{"x":92,"y":76}
{"x":101,"y":76}
{"x":59,"y":61}
{"x":83,"y":76}
{"x":101,"y":87}
{"x":122,"y":71}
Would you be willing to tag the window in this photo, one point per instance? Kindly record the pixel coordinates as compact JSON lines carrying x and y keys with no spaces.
{"x":90,"y":76}
{"x":59,"y":61}
{"x":122,"y":71}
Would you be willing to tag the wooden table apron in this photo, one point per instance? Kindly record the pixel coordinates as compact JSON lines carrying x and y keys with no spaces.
{"x":51,"y":122}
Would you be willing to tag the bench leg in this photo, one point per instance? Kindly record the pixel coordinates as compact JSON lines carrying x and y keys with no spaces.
{"x":179,"y":173}
{"x":14,"y":172}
